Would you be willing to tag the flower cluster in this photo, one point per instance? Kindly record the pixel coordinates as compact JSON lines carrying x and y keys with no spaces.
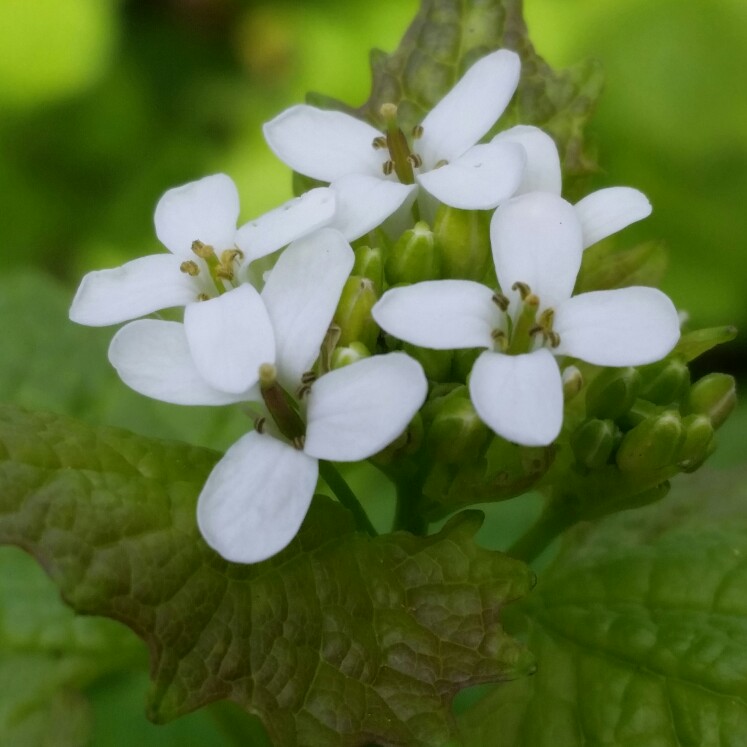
{"x":269,"y":339}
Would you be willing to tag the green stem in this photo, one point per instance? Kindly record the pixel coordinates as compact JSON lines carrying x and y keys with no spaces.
{"x":346,"y":496}
{"x":406,"y":515}
{"x":551,"y":524}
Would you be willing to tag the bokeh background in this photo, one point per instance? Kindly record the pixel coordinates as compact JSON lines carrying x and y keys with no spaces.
{"x":105,"y":104}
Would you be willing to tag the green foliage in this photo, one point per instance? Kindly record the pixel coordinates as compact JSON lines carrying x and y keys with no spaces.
{"x":447,"y":36}
{"x":640,"y":633}
{"x":328,"y":642}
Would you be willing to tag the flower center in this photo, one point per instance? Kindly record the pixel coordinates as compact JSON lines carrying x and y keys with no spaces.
{"x":402,"y":160}
{"x":221,"y":270}
{"x":523,"y":326}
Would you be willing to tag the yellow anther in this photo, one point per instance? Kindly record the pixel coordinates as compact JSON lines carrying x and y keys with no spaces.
{"x":259,"y":424}
{"x":267,"y":374}
{"x":388,"y":167}
{"x":204,"y":251}
{"x":388,"y":112}
{"x":523,"y":288}
{"x":417,"y":132}
{"x":309,"y":377}
{"x":500,"y":338}
{"x":190,"y":268}
{"x":203,"y":297}
{"x":230,"y":255}
{"x":554,"y":338}
{"x":442,"y":162}
{"x":500,"y":301}
{"x":379,"y":143}
{"x":415,"y":160}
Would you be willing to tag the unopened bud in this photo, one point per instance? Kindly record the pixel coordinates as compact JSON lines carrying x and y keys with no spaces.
{"x":369,"y":263}
{"x":653,"y":444}
{"x":456,"y":432}
{"x":665,"y":382}
{"x":463,"y":241}
{"x":612,"y":393}
{"x":352,"y":353}
{"x":573,"y":381}
{"x":698,"y":442}
{"x":435,"y":363}
{"x":715,"y":395}
{"x":593,"y":441}
{"x":413,"y":257}
{"x":353,"y":315}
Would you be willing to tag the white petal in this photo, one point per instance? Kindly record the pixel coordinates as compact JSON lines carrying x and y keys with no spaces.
{"x":470,"y":109}
{"x":152,"y":357}
{"x":623,"y":327}
{"x":608,"y":211}
{"x":365,"y":202}
{"x":484,"y":176}
{"x":542,"y":170}
{"x":324,"y":144}
{"x":284,"y":224}
{"x":519,"y":396}
{"x":230,"y":337}
{"x":355,"y":411}
{"x":135,"y":289}
{"x":205,"y":210}
{"x":301,"y":296}
{"x":536,"y":240}
{"x":256,"y":498}
{"x":440,"y":314}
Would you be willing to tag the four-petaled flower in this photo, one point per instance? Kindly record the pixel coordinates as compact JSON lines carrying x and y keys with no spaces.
{"x":257,"y":495}
{"x":373,"y":174}
{"x":204,"y":272}
{"x":515,"y":385}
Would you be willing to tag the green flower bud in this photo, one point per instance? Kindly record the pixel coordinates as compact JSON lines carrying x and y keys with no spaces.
{"x":369,"y":263}
{"x":593,"y":441}
{"x":698,"y":443}
{"x":653,"y":444}
{"x":353,"y":315}
{"x":641,"y":410}
{"x":344,"y":356}
{"x":456,"y":433}
{"x":715,"y":395}
{"x":463,"y":241}
{"x":665,"y":382}
{"x":612,"y":393}
{"x":435,"y":363}
{"x":413,"y":257}
{"x":573,"y":382}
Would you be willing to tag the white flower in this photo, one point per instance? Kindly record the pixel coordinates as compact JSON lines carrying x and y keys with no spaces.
{"x":374,"y":174}
{"x":203,"y":272}
{"x":515,"y":385}
{"x":601,"y":213}
{"x":256,"y":497}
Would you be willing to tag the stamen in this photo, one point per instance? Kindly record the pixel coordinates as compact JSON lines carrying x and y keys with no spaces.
{"x":389,"y":112}
{"x":203,"y":297}
{"x":259,"y":424}
{"x":230,"y":255}
{"x":442,"y":162}
{"x":204,"y":251}
{"x":223,"y":272}
{"x":388,"y":167}
{"x":501,"y":301}
{"x":554,"y":338}
{"x":304,"y":390}
{"x":308,"y":378}
{"x":546,"y":318}
{"x":298,"y":442}
{"x":415,"y":160}
{"x":523,"y":288}
{"x":379,"y":143}
{"x":190,"y":268}
{"x":417,"y":132}
{"x":500,"y":338}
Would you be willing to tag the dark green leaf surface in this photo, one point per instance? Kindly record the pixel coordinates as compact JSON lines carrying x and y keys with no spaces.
{"x":640,"y":632}
{"x":339,"y":640}
{"x":446,"y":38}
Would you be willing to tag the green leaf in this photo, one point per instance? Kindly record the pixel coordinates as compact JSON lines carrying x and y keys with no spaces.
{"x":640,"y":632}
{"x":340,"y":640}
{"x":48,"y":656}
{"x":447,"y":36}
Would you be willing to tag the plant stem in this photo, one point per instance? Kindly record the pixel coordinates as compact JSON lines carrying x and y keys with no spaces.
{"x":406,"y":515}
{"x":346,"y":496}
{"x":551,"y":524}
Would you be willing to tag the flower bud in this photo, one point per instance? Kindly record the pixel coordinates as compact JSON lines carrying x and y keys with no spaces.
{"x":653,"y":444}
{"x":353,"y":315}
{"x":698,"y":443}
{"x":665,"y":382}
{"x":435,"y":363}
{"x":714,"y":395}
{"x":593,"y":441}
{"x":463,"y":240}
{"x":456,"y":433}
{"x":369,"y":263}
{"x":612,"y":393}
{"x":413,"y":257}
{"x":573,"y":382}
{"x":352,"y":353}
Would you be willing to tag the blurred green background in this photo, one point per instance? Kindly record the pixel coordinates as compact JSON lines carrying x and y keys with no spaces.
{"x":105,"y":104}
